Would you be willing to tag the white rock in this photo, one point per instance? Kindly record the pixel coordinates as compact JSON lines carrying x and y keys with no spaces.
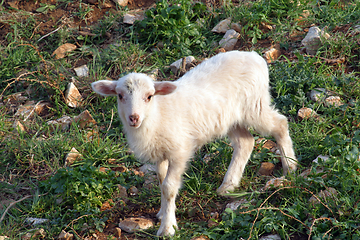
{"x":235,"y":204}
{"x":34,"y":234}
{"x":333,"y":101}
{"x":82,"y":71}
{"x":64,"y":122}
{"x":229,"y":40}
{"x":29,"y":110}
{"x":122,"y":3}
{"x":274,"y":183}
{"x":272,"y":54}
{"x":72,"y":156}
{"x":35,"y":221}
{"x":307,"y":172}
{"x":4,"y":238}
{"x":73,"y":97}
{"x":84,"y":119}
{"x":153,"y":74}
{"x":133,"y":224}
{"x":236,"y":27}
{"x":355,"y":31}
{"x":175,"y":66}
{"x":271,"y":237}
{"x":312,"y":40}
{"x":324,"y":158}
{"x":131,"y":18}
{"x":323,"y":194}
{"x":305,"y":113}
{"x":65,"y":236}
{"x":148,"y":168}
{"x":222,"y":26}
{"x":318,"y":94}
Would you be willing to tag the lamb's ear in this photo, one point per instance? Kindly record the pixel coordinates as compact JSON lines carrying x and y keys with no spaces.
{"x":164,"y":88}
{"x":104,"y":87}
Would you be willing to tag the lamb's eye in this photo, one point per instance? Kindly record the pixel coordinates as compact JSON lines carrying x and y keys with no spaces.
{"x":120,"y":96}
{"x":149,"y":97}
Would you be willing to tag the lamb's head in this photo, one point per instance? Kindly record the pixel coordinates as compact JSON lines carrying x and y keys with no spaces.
{"x":135,"y":95}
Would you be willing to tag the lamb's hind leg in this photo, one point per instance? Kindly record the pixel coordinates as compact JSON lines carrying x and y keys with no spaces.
{"x":276,"y":125}
{"x":281,"y":133}
{"x":243,"y":144}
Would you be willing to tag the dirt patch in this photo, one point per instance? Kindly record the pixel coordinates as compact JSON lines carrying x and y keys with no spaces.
{"x":48,"y":15}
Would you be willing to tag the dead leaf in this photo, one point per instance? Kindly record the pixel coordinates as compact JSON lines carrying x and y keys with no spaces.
{"x":63,"y":49}
{"x":107,"y":205}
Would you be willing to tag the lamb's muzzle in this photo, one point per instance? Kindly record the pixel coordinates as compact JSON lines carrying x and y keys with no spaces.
{"x":134,"y":120}
{"x":226,"y":94}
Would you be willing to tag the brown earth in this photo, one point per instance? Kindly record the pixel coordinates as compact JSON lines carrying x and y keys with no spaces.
{"x":65,"y":13}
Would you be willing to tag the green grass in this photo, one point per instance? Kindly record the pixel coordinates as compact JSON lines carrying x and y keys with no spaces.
{"x":32,"y":163}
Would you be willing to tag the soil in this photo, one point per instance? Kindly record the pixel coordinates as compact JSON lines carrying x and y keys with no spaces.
{"x":65,"y":13}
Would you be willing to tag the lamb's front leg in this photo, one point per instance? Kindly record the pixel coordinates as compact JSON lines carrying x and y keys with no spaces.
{"x":161,"y":170}
{"x":169,"y":190}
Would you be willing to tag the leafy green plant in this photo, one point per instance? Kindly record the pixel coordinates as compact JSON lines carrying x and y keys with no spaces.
{"x":45,"y":8}
{"x":177,"y":26}
{"x":268,"y":12}
{"x":84,"y":188}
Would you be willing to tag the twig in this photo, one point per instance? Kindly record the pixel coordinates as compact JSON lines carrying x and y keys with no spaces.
{"x":12,"y":204}
{"x":313,"y":223}
{"x":112,"y":116}
{"x":72,"y":223}
{"x":14,"y":81}
{"x":32,"y":110}
{"x":261,"y":208}
{"x":35,"y":30}
{"x":46,"y":35}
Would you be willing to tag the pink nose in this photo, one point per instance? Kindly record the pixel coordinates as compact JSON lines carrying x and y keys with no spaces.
{"x":134,"y":119}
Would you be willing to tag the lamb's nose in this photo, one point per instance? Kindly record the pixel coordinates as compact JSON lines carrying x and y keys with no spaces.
{"x":134,"y":119}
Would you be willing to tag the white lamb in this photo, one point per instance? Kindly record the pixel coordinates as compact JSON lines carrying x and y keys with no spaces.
{"x":165,"y":122}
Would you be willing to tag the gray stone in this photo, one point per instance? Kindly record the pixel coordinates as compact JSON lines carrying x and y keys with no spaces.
{"x":131,"y":18}
{"x":148,"y":168}
{"x":235,"y":204}
{"x":271,"y":237}
{"x":323,"y":158}
{"x":223,"y":26}
{"x":175,"y":66}
{"x":229,"y":40}
{"x":82,"y":71}
{"x":313,"y":38}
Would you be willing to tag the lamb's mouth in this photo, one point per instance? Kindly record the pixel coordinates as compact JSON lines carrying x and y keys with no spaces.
{"x":134,"y":125}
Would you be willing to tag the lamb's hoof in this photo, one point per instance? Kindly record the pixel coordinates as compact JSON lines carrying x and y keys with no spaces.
{"x":166,"y":231}
{"x":289,"y":169}
{"x":225,"y":189}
